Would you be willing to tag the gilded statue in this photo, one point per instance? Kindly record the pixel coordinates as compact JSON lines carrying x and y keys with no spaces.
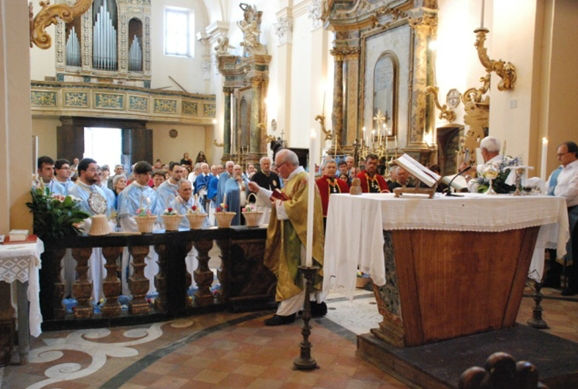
{"x":251,"y":27}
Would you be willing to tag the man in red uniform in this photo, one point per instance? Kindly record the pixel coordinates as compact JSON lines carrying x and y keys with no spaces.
{"x":328,"y":184}
{"x":371,"y":182}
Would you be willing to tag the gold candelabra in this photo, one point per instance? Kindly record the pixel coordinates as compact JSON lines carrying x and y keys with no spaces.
{"x":506,"y":70}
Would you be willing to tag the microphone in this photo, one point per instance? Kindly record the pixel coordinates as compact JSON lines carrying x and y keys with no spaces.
{"x":448,"y":191}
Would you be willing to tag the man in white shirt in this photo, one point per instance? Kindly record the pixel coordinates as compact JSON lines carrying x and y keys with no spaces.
{"x":167,"y":192}
{"x":46,"y":179}
{"x":564,"y":182}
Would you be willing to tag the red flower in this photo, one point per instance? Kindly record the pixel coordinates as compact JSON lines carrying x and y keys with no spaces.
{"x":219,"y":209}
{"x":194,"y":207}
{"x":169,"y":209}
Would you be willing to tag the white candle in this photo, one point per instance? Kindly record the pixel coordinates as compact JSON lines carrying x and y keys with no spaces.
{"x":482,"y":21}
{"x":544,"y":158}
{"x":311,"y":197}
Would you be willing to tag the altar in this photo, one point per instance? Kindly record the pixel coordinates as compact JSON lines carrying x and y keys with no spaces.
{"x":443,"y":267}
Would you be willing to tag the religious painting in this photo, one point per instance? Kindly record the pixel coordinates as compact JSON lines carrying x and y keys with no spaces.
{"x":385,"y":89}
{"x":386,"y":66}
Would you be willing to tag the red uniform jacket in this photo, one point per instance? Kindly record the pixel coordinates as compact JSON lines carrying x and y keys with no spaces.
{"x":323,"y":183}
{"x":364,"y":181}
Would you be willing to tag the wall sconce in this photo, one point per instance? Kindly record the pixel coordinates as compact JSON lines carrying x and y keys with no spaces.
{"x":48,"y":15}
{"x":506,"y":70}
{"x":326,"y":133}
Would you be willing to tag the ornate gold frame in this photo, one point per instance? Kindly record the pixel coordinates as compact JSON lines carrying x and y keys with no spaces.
{"x":49,"y":15}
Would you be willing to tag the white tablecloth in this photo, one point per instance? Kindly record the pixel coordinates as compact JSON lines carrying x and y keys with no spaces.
{"x":355,"y":224}
{"x":22,"y":262}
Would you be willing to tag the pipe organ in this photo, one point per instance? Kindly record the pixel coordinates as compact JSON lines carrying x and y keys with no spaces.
{"x":110,"y":41}
{"x":72,"y":49}
{"x":104,"y":47}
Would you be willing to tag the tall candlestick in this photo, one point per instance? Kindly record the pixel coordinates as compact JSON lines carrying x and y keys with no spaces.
{"x":311,"y":197}
{"x":544,"y":158}
{"x":363,"y":138}
{"x":483,"y":9}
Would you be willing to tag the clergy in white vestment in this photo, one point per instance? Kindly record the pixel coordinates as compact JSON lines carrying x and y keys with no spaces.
{"x":168,"y":190}
{"x":182,"y":203}
{"x":92,"y":201}
{"x":138,"y":195}
{"x":223,"y":177}
{"x":62,"y":174}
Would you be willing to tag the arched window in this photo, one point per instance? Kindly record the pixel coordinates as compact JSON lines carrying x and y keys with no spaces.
{"x":104,"y":35}
{"x":385,"y":85}
{"x":135,"y":45}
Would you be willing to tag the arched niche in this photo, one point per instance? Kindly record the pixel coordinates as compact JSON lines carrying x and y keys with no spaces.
{"x":385,"y":89}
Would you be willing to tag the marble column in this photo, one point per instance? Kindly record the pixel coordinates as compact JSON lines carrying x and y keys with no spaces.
{"x":227,"y":122}
{"x":337,"y":114}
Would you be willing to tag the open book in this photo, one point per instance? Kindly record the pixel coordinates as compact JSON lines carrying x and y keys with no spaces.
{"x":417,"y":170}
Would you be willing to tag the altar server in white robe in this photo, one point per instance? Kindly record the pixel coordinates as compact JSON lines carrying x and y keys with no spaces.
{"x":92,"y":201}
{"x":138,"y":195}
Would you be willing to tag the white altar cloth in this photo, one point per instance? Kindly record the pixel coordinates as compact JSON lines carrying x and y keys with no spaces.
{"x":355,"y":224}
{"x":21,"y":262}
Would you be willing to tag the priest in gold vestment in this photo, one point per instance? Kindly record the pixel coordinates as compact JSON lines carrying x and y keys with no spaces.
{"x":287,"y":237}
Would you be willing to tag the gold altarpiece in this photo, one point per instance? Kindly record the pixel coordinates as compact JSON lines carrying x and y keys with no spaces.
{"x":246,"y":78}
{"x":382,"y":68}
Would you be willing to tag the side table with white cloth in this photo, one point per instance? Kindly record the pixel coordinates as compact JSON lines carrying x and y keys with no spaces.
{"x":457,"y":264}
{"x":21,"y":262}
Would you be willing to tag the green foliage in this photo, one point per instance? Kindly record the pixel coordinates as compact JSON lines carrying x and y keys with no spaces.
{"x":54,"y":216}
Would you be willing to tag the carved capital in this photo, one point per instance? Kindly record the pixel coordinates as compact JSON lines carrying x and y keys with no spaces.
{"x":283,"y":30}
{"x":340,"y":53}
{"x":315,"y":13}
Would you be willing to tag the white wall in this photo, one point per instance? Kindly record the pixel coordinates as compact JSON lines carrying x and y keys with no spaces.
{"x":186,"y":71}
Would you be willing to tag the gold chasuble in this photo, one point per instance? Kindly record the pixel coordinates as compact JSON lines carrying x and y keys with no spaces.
{"x":285,"y":237}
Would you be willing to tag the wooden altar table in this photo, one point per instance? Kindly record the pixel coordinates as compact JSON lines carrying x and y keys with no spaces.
{"x":442,"y":267}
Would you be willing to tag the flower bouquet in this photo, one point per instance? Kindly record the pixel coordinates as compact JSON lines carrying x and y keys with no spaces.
{"x":252,"y":216}
{"x":55,"y":216}
{"x":496,"y":177}
{"x":196,"y":217}
{"x":171,"y":219}
{"x":223,"y":217}
{"x":145,"y":220}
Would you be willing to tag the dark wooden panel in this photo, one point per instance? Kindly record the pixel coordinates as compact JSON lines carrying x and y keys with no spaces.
{"x":457,"y":283}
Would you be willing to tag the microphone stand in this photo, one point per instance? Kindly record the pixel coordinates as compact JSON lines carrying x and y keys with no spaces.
{"x":448,"y":192}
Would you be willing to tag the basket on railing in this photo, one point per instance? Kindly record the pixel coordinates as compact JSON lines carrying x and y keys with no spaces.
{"x":224,"y":219}
{"x":172,"y":222}
{"x":145,"y":224}
{"x":196,"y":220}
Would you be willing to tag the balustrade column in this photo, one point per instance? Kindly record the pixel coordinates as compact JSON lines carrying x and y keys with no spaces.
{"x":161,"y":278}
{"x":51,"y":285}
{"x":138,"y":283}
{"x":203,"y":275}
{"x":111,"y":285}
{"x":82,"y":287}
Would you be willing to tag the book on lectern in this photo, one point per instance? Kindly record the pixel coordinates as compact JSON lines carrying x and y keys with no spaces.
{"x":416,"y":169}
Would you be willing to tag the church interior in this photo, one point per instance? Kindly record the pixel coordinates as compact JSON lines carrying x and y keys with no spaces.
{"x":233,"y":81}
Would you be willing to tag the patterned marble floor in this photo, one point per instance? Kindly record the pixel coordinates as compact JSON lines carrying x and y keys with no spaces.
{"x":228,"y":350}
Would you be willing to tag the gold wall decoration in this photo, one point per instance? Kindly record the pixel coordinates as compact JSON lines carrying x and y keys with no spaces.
{"x":506,"y":70}
{"x":49,"y":15}
{"x":445,"y":113}
{"x":321,"y":120}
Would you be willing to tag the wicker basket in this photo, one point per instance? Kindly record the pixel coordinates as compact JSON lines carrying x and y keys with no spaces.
{"x":196,"y":220}
{"x":224,"y":219}
{"x":145,"y":224}
{"x":99,"y":225}
{"x":172,"y":222}
{"x":252,"y":218}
